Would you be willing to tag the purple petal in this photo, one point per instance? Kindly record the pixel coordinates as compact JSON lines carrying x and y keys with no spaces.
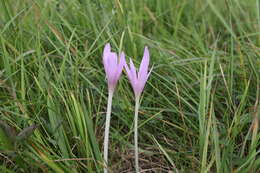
{"x":133,"y":70}
{"x":112,"y":68}
{"x":143,"y":69}
{"x":120,"y":65}
{"x":135,"y":81}
{"x":106,"y":54}
{"x":142,"y":81}
{"x":131,"y":74}
{"x":128,"y":73}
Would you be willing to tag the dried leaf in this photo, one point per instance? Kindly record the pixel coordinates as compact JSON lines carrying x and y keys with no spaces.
{"x":25,"y":133}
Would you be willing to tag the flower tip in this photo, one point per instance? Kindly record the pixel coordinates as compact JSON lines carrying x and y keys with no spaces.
{"x":131,"y":62}
{"x":122,"y":57}
{"x":107,"y":47}
{"x":122,"y":61}
{"x":146,"y":51}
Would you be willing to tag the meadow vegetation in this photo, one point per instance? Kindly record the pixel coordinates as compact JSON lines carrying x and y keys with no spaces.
{"x":199,"y":109}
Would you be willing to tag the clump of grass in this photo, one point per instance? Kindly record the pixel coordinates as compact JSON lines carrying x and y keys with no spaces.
{"x":200,"y":109}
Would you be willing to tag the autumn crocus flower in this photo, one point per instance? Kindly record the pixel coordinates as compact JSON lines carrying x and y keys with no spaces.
{"x":138,"y":81}
{"x":113,"y":68}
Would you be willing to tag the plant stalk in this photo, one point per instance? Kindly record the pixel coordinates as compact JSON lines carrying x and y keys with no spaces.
{"x":107,"y":125}
{"x":137,"y":104}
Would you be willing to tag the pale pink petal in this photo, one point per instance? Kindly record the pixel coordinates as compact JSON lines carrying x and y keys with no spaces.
{"x":143,"y":69}
{"x":120,"y":66}
{"x":135,"y":82}
{"x":106,"y":54}
{"x":139,"y":87}
{"x":133,"y":70}
{"x":112,"y":67}
{"x":143,"y":72}
{"x":131,"y":74}
{"x":142,"y":82}
{"x":128,"y":73}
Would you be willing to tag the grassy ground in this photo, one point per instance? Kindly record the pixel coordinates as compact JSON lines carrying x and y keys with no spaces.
{"x":200,"y":108}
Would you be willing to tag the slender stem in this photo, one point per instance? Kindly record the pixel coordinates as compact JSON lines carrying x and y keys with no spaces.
{"x":106,"y":138}
{"x":137,"y":104}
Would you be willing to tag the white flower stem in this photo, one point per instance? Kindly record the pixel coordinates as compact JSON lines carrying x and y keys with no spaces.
{"x":106,"y":138}
{"x":137,"y":104}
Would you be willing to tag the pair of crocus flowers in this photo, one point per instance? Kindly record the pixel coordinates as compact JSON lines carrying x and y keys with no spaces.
{"x":114,"y":66}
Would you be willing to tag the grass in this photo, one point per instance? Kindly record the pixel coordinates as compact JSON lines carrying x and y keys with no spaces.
{"x":200,"y":108}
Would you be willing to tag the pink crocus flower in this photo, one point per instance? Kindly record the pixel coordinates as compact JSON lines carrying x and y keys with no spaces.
{"x":113,"y":67}
{"x":139,"y":79}
{"x":113,"y":70}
